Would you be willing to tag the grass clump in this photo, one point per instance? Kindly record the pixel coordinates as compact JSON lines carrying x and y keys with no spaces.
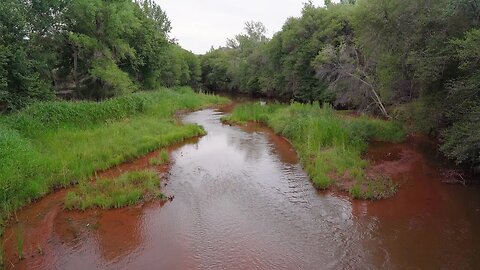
{"x":20,"y":241}
{"x":378,"y":187}
{"x":161,"y":159}
{"x":57,"y":144}
{"x":330,"y":145}
{"x":128,"y":189}
{"x":2,"y":256}
{"x":257,"y":112}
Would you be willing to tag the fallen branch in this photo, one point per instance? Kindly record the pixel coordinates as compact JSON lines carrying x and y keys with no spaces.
{"x":454,"y":177}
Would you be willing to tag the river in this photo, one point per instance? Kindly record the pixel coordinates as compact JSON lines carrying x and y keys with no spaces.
{"x":241,"y":200}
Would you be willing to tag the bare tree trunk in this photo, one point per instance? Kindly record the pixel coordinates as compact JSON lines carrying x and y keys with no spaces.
{"x":99,"y":35}
{"x":376,"y":97}
{"x":75,"y":70}
{"x":346,"y":64}
{"x":476,"y":10}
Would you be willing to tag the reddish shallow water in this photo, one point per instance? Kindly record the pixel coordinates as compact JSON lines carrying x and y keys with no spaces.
{"x":242,"y":201}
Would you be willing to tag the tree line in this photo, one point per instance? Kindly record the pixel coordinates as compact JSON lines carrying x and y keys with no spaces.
{"x":413,"y":60}
{"x":87,"y":49}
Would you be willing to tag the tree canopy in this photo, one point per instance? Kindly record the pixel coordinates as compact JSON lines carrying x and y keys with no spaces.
{"x":91,"y":49}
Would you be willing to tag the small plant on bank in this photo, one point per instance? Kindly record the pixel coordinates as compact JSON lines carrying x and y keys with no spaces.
{"x":20,"y":240}
{"x":161,"y":159}
{"x":374,"y":188}
{"x":2,"y":256}
{"x":128,"y":189}
{"x":40,"y":250}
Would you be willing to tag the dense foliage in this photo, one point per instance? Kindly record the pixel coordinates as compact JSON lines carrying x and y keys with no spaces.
{"x":91,"y":49}
{"x":413,"y":60}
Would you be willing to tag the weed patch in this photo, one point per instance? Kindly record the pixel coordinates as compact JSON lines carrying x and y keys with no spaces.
{"x":20,"y":241}
{"x":378,"y":187}
{"x":161,"y":159}
{"x":2,"y":256}
{"x":128,"y":189}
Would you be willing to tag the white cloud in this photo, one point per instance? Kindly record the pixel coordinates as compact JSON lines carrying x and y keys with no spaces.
{"x":200,"y":24}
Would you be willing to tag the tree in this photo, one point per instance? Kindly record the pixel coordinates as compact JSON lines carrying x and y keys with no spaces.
{"x":462,"y":137}
{"x":344,"y":67}
{"x":155,"y":13}
{"x":238,"y":66}
{"x":20,"y":82}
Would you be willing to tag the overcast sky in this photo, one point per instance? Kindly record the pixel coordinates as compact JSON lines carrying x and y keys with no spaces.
{"x":200,"y":24}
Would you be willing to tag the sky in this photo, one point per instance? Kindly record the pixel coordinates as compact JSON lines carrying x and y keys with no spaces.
{"x":200,"y":24}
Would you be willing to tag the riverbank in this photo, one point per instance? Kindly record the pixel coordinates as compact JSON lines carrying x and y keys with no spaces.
{"x":242,"y":201}
{"x":57,"y":144}
{"x":330,"y":145}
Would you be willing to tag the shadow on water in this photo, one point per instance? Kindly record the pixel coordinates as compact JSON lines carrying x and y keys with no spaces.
{"x":242,"y":201}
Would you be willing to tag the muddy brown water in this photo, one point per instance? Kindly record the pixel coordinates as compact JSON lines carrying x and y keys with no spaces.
{"x":242,"y":201}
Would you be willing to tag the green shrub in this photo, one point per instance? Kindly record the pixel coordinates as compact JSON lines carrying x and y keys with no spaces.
{"x":423,"y":115}
{"x":118,"y":81}
{"x":462,"y":141}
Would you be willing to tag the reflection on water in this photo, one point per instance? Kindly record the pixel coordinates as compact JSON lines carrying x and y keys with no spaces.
{"x":242,"y":201}
{"x":245,"y":208}
{"x":428,"y":224}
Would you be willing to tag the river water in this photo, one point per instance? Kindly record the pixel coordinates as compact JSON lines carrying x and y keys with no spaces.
{"x":242,"y":201}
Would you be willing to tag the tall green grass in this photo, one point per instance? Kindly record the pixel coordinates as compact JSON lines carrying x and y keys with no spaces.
{"x":85,"y":114}
{"x":160,"y":159}
{"x":330,"y":145}
{"x":2,"y":256}
{"x":56,"y":144}
{"x":128,"y":189}
{"x":20,"y":241}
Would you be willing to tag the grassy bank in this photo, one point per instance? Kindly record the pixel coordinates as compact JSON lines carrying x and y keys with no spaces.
{"x":57,"y":144}
{"x":161,"y":159}
{"x":329,"y":144}
{"x":128,"y":189}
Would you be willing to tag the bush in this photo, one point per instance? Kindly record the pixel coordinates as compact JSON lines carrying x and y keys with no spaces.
{"x":462,"y":140}
{"x":115,"y":81}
